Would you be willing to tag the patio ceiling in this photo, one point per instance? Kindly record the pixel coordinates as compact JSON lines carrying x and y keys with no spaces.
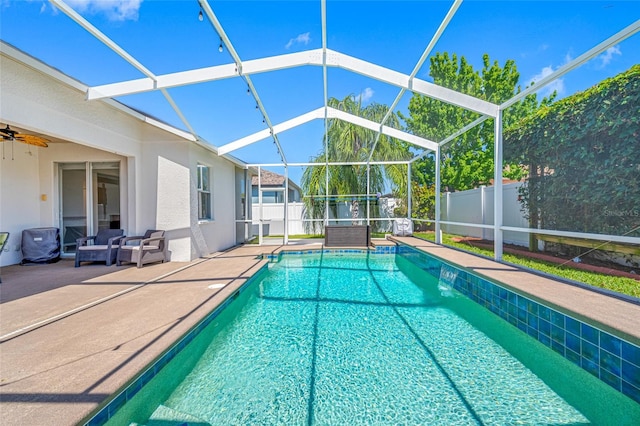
{"x":250,"y":71}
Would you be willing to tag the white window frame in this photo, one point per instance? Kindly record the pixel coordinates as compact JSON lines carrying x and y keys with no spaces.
{"x":202,"y":190}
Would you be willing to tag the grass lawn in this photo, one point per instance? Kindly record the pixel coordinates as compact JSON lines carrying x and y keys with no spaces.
{"x":618,"y":284}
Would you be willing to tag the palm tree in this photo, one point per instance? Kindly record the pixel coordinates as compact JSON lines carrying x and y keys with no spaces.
{"x":348,"y":142}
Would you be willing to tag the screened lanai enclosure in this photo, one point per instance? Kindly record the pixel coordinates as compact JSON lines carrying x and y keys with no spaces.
{"x":372,"y":132}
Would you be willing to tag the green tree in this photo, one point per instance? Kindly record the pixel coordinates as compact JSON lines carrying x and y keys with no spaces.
{"x":467,"y":162}
{"x":347,"y":142}
{"x":423,"y":204}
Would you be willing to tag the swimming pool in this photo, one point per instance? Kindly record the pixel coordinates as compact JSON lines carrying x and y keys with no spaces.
{"x":342,"y":338}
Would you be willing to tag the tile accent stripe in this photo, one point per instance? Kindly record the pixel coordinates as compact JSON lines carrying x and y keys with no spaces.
{"x":610,"y":358}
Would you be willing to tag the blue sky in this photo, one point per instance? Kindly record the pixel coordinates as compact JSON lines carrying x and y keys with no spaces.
{"x":166,"y":36}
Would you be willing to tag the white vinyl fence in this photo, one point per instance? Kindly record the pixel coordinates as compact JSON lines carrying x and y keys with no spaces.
{"x":476,"y":206}
{"x":273,"y":216}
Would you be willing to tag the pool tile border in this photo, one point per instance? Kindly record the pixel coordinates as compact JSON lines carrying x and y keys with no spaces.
{"x":386,"y":249}
{"x":606,"y":356}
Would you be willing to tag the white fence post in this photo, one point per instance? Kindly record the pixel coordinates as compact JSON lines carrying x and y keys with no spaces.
{"x":497,"y":189}
{"x":437,"y":195}
{"x":483,"y":204}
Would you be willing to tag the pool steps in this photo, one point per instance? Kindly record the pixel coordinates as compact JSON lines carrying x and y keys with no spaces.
{"x":167,"y":416}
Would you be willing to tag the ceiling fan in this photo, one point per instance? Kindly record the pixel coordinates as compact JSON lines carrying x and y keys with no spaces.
{"x":9,"y":134}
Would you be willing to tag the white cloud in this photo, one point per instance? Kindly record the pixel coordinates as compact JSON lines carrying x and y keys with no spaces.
{"x":568,"y":58}
{"x":366,"y":95}
{"x":556,"y":85}
{"x":115,"y":10}
{"x":300,"y":39}
{"x":606,"y":57}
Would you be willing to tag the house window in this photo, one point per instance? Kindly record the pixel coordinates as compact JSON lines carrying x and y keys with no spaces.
{"x":204,"y":193}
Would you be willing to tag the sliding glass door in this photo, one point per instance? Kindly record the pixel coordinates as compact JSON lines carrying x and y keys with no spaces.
{"x":89,"y":200}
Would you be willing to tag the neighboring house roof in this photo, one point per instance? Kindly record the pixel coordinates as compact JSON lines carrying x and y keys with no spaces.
{"x":268,"y":178}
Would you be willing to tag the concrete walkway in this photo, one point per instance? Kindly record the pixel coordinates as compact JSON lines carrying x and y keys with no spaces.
{"x":71,"y":337}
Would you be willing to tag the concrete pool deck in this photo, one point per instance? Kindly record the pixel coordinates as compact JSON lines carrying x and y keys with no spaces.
{"x":71,"y":337}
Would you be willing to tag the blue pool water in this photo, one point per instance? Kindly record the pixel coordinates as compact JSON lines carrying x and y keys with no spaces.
{"x":334,"y":339}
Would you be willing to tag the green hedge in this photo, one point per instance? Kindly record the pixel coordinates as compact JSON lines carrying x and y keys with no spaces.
{"x":583,"y":157}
